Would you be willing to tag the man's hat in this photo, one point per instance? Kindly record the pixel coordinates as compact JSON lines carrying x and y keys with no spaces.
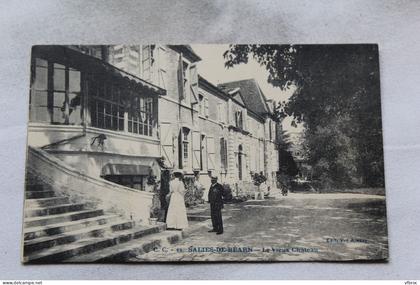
{"x":178,"y":171}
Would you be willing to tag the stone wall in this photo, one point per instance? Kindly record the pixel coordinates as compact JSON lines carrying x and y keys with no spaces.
{"x":67,"y":181}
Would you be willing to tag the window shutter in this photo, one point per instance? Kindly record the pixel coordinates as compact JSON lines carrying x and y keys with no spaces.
{"x":222,"y":113}
{"x":196,"y":150}
{"x":245,"y":119}
{"x":247,"y":155}
{"x":180,"y":156}
{"x":223,"y":153}
{"x":162,"y":68}
{"x":167,"y":144}
{"x":194,"y":82}
{"x":147,"y":62}
{"x":226,"y":154}
{"x":211,"y":153}
{"x":206,"y":107}
{"x":180,"y":78}
{"x":231,"y":113}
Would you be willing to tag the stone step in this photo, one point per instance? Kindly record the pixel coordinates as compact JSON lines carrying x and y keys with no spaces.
{"x":129,"y":250}
{"x":198,"y":218}
{"x":38,"y":187}
{"x":59,"y":228}
{"x":39,"y":194}
{"x":60,"y":239}
{"x":66,"y":217}
{"x":46,"y":202}
{"x":54,"y":210}
{"x":31,"y":178}
{"x":88,"y":245}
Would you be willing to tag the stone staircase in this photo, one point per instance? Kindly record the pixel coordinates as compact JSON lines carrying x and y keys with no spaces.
{"x":56,"y":230}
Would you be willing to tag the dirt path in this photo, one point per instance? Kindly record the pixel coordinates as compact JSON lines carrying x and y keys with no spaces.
{"x":296,"y":227}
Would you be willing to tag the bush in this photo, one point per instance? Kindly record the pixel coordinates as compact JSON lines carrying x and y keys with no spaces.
{"x":198,"y":193}
{"x":284,"y":181}
{"x":227,"y":192}
{"x":194,"y":192}
{"x":258,"y":178}
{"x":189,"y":197}
{"x":239,"y":199}
{"x":156,"y":207}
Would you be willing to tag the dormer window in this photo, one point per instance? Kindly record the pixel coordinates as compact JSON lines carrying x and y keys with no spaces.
{"x":239,"y":123}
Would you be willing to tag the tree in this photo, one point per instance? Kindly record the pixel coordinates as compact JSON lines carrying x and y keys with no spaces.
{"x":337,"y":99}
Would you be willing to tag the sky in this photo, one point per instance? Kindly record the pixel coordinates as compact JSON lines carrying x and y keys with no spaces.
{"x":212,"y":68}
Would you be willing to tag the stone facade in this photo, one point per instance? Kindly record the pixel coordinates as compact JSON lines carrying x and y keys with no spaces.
{"x":194,"y":125}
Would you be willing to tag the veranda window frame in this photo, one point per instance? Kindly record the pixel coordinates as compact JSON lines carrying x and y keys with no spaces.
{"x":52,"y":91}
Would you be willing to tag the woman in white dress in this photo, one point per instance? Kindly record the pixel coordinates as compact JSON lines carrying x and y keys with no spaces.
{"x":177,"y":213}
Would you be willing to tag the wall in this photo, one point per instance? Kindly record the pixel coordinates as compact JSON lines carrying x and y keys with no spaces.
{"x":254,"y":141}
{"x":40,"y":135}
{"x":78,"y":152}
{"x":212,"y":127}
{"x":175,"y":114}
{"x":81,"y":187}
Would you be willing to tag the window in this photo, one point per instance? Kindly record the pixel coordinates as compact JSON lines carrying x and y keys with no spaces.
{"x":131,"y":181}
{"x":223,"y":153}
{"x":95,"y":51}
{"x":185,"y":143}
{"x":134,"y":60}
{"x":239,"y":120}
{"x":118,"y":51}
{"x":274,"y":131}
{"x":201,"y":104}
{"x":140,"y":116}
{"x":240,"y":162}
{"x":55,"y":93}
{"x":39,"y":95}
{"x":203,"y":152}
{"x":183,"y":147}
{"x":59,"y":97}
{"x":106,"y":106}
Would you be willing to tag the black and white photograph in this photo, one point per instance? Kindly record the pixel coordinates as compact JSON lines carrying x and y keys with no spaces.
{"x":203,"y":153}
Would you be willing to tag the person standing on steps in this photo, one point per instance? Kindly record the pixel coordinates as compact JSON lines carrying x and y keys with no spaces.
{"x":177,"y":212}
{"x":216,"y":205}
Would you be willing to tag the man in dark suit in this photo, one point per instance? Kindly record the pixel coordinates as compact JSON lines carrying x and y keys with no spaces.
{"x":216,"y":205}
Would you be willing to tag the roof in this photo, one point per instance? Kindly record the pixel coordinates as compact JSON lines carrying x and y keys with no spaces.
{"x":233,"y":94}
{"x":204,"y":83}
{"x":84,"y":62}
{"x":251,"y":94}
{"x":186,"y":51}
{"x":236,"y":94}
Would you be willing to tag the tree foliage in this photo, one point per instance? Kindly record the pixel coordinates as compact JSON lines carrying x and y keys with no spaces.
{"x":337,"y":98}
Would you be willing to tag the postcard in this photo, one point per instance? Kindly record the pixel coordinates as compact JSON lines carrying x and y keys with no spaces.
{"x":202,"y":153}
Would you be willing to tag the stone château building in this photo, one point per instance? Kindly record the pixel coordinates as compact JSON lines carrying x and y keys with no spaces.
{"x":102,"y":117}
